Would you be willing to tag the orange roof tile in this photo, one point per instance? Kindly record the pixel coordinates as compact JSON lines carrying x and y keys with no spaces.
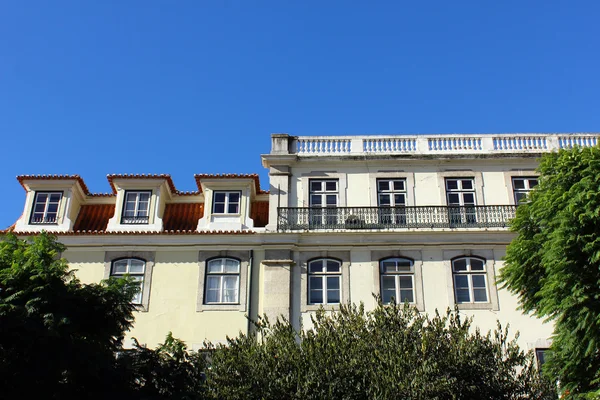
{"x":23,"y":178}
{"x":199,"y":178}
{"x":94,"y":217}
{"x":182,"y":216}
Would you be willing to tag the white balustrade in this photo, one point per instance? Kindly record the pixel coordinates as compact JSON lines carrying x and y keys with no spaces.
{"x":440,"y":144}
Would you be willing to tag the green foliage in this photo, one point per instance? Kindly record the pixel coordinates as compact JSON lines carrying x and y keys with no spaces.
{"x":56,"y":334}
{"x":391,"y":352}
{"x":553,"y":264}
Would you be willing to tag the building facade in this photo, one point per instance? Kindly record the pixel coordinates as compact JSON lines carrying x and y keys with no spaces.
{"x":421,"y":219}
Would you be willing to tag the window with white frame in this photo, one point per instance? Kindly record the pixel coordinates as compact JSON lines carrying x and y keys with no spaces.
{"x":391,"y":199}
{"x":134,"y":268}
{"x":522,"y":187}
{"x":222,"y":281}
{"x":136,"y":209}
{"x":45,"y":208}
{"x":470,"y":280}
{"x":323,"y":201}
{"x":324,"y":281}
{"x":460,"y":196}
{"x":226,"y":202}
{"x":397,"y":280}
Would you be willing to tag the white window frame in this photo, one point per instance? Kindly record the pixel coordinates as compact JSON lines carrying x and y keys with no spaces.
{"x":462,"y":215}
{"x":526,"y":187}
{"x":397,"y":275}
{"x":469,"y":273}
{"x":136,"y":219}
{"x":220,"y":276}
{"x":137,"y":275}
{"x":393,"y":213}
{"x":45,"y":212}
{"x":322,"y":214}
{"x":324,"y":275}
{"x":227,"y":202}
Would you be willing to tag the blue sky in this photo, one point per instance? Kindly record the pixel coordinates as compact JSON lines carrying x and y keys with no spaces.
{"x":184,"y":87}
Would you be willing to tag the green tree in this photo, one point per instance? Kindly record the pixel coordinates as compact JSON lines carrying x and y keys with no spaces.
{"x":393,"y":352}
{"x":57,"y":335}
{"x":553,"y":264}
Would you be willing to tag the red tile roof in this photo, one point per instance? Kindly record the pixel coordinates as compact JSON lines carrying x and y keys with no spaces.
{"x":199,"y":178}
{"x":94,"y":217}
{"x":23,"y":178}
{"x":182,"y":216}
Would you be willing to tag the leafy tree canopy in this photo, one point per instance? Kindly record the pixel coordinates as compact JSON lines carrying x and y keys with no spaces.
{"x":553,"y":264}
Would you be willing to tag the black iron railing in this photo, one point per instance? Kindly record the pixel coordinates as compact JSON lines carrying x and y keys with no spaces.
{"x":313,"y":218}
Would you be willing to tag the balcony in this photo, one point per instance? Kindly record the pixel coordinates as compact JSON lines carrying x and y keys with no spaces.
{"x":377,"y":218}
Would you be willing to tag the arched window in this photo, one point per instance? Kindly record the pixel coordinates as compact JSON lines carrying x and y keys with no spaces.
{"x":397,"y":280}
{"x":222,"y":281}
{"x":470,"y":282}
{"x":324,"y":281}
{"x":135,"y":268}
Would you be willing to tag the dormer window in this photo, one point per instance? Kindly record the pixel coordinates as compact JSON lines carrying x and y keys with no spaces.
{"x":45,"y":208}
{"x":226,"y":202}
{"x":137,"y":207}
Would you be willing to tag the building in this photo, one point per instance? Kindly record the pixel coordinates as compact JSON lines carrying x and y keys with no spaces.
{"x":420,"y":218}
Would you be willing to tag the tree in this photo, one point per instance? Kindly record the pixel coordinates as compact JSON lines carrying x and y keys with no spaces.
{"x":391,"y":352}
{"x":553,"y":264}
{"x":58,"y":335}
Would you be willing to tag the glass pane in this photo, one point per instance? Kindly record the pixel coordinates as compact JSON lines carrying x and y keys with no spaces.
{"x":519,"y":184}
{"x":384,"y":199}
{"x":453,"y":199}
{"x":316,"y":297}
{"x":468,"y":198}
{"x":55,"y":197}
{"x":136,"y":266}
{"x":230,"y":296}
{"x":478,"y":281}
{"x":406,"y":282}
{"x":462,"y":296}
{"x":404,"y":264}
{"x":51,"y":217}
{"x":42,"y":197}
{"x":213,"y":283}
{"x":137,"y":298}
{"x":333,"y":266}
{"x":398,"y":185}
{"x":407,"y":295}
{"x":451,"y":184}
{"x":389,"y":266}
{"x":315,"y":282}
{"x":333,"y":282}
{"x":144,"y":196}
{"x":129,"y":206}
{"x":383,"y":185}
{"x":388,"y":283}
{"x":476,"y":265}
{"x":460,"y":264}
{"x":120,"y":267}
{"x":39,"y":207}
{"x":399,"y":200}
{"x":219,"y":197}
{"x":533,"y":183}
{"x":131,"y":197}
{"x":331,"y":186}
{"x":480,"y":295}
{"x":232,"y":266}
{"x":520,"y":197}
{"x":215,"y":266}
{"x":234,"y":197}
{"x":467,"y":184}
{"x":230,"y":282}
{"x":233,"y":208}
{"x":212,"y":296}
{"x":315,"y":200}
{"x":331,"y":199}
{"x":461,"y":281}
{"x":315,"y":186}
{"x":333,"y":296}
{"x":387,"y":295}
{"x":219,"y":208}
{"x":315,"y":266}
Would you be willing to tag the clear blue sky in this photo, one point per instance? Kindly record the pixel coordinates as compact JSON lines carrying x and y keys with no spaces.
{"x":184,"y":87}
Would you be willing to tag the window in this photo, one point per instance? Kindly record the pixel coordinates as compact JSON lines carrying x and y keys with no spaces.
{"x":469,"y":280}
{"x":323,"y":201}
{"x":133,"y":267}
{"x":45,"y":207}
{"x":222,"y":281}
{"x":391,"y":199}
{"x":541,"y":356}
{"x":397,"y":280}
{"x":226,"y":202}
{"x":521,"y":188}
{"x":136,"y":208}
{"x":324,"y":281}
{"x":460,"y":195}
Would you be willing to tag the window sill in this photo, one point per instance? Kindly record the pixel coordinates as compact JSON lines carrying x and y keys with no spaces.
{"x":221,"y":307}
{"x":315,"y":307}
{"x":474,"y":306}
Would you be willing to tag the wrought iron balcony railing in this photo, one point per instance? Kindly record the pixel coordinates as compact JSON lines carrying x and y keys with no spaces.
{"x":313,"y":218}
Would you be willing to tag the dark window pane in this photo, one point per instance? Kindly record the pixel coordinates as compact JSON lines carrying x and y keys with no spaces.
{"x":387,"y":295}
{"x":331,"y":186}
{"x":468,"y":198}
{"x":316,"y":297}
{"x":453,"y":199}
{"x":461,"y":281}
{"x":452,"y":184}
{"x":478,"y":281}
{"x":315,"y":282}
{"x":384,"y":199}
{"x":39,"y":208}
{"x":315,"y":200}
{"x":407,"y":295}
{"x":315,"y":266}
{"x":144,"y":196}
{"x":232,"y":208}
{"x":315,"y":186}
{"x":399,"y":200}
{"x":520,"y":197}
{"x":55,"y":197}
{"x":460,"y":264}
{"x":333,"y":266}
{"x":476,"y":265}
{"x":333,"y":296}
{"x":467,"y":184}
{"x":480,"y":295}
{"x":383,"y":185}
{"x":462,"y":296}
{"x":219,"y":208}
{"x":331,"y":199}
{"x":219,"y":197}
{"x":533,"y":183}
{"x":398,"y":185}
{"x":519,"y":184}
{"x":333,"y":282}
{"x":234,"y":197}
{"x":406,"y":282}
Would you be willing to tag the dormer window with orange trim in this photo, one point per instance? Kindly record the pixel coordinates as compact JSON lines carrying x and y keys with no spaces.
{"x":45,"y":208}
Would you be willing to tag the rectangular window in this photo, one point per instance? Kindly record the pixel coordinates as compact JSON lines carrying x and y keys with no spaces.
{"x":136,"y":209}
{"x":522,"y":187}
{"x":324,"y":278}
{"x":391,"y":200}
{"x":323,"y":202}
{"x":134,"y":268}
{"x":222,"y":281}
{"x":397,"y":280}
{"x":45,"y":208}
{"x":226,"y":202}
{"x":460,"y":196}
{"x":470,"y":284}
